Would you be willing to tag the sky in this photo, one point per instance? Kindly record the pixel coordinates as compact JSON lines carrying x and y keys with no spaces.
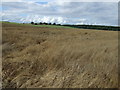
{"x":68,"y":12}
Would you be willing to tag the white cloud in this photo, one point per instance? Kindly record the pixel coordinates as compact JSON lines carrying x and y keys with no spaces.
{"x":47,"y":19}
{"x":61,"y":12}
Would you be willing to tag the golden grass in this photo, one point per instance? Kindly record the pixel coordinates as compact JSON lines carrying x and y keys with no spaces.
{"x":59,"y":57}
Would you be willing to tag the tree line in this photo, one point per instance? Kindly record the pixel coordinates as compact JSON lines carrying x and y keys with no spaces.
{"x":44,"y":23}
{"x":98,"y":27}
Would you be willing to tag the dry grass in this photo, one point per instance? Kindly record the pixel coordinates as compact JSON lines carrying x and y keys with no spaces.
{"x":59,"y":58}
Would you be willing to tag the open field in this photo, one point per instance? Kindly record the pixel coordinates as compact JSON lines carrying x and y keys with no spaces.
{"x":59,"y":57}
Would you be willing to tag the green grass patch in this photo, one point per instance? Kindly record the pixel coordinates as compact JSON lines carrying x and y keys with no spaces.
{"x":9,"y":22}
{"x":15,"y":23}
{"x":52,"y":26}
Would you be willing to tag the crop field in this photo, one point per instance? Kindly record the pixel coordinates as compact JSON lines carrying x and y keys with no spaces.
{"x":58,"y":57}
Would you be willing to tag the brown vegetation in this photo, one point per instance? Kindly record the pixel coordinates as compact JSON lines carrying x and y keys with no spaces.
{"x":59,"y":57}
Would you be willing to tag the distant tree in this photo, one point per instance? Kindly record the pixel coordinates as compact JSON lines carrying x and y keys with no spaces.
{"x":50,"y":23}
{"x":40,"y":23}
{"x":36,"y":24}
{"x":54,"y":23}
{"x":32,"y":22}
{"x":45,"y":23}
{"x":58,"y":24}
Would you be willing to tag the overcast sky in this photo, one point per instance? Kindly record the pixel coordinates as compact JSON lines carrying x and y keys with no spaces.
{"x":103,"y":13}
